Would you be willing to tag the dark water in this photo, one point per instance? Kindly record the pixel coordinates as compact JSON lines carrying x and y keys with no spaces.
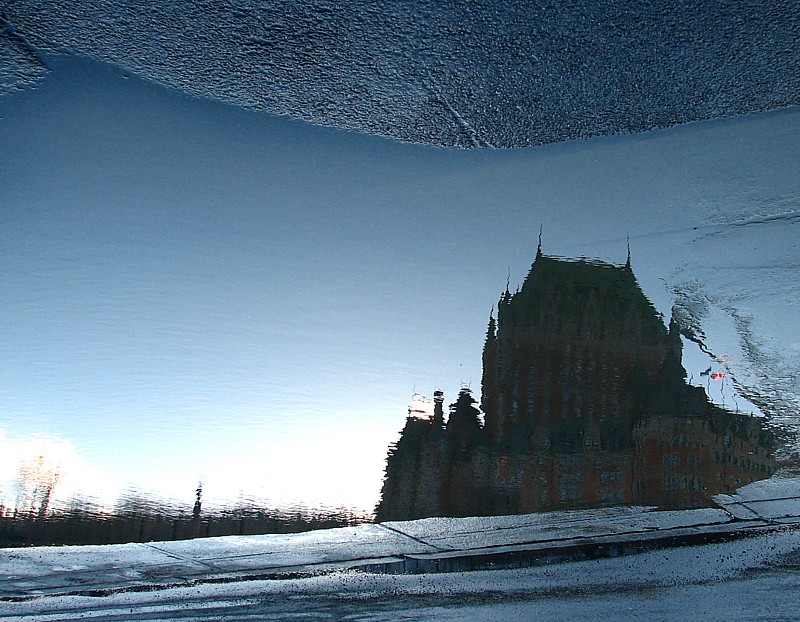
{"x":584,"y":403}
{"x":199,"y":293}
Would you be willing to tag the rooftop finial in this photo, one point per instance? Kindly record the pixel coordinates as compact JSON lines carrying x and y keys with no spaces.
{"x":628,"y":262}
{"x":508,"y":280}
{"x":539,"y":248}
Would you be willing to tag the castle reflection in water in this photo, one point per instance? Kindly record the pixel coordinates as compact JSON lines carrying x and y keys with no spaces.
{"x":585,"y":404}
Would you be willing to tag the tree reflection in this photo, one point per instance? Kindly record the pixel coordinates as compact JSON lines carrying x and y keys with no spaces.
{"x":37,"y":476}
{"x":138,"y":517}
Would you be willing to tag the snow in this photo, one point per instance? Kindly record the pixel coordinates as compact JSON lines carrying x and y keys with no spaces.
{"x":481,"y":532}
{"x":304,"y":549}
{"x":743,"y":579}
{"x":54,"y":569}
{"x":776,"y":499}
{"x":780,"y":486}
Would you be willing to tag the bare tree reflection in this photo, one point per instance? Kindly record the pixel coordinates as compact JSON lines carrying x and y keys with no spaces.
{"x":36,"y":478}
{"x":139,"y":518}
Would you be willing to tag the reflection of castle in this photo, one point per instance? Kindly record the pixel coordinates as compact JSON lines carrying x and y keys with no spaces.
{"x":584,"y":403}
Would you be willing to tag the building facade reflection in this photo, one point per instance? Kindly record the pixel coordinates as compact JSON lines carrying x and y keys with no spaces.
{"x":584,"y":403}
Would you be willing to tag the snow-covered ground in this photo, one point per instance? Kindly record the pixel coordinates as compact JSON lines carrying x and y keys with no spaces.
{"x":738,"y":561}
{"x":749,"y":579}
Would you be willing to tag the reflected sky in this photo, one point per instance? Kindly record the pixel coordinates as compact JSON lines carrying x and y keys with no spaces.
{"x":197,"y":292}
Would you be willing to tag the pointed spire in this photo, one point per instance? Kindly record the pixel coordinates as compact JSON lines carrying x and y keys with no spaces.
{"x":628,"y":261}
{"x":539,"y":247}
{"x":491,"y":331}
{"x":505,"y":298}
{"x":674,"y":325}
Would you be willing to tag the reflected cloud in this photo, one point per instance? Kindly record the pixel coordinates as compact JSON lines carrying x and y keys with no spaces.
{"x":36,"y":471}
{"x":48,"y":496}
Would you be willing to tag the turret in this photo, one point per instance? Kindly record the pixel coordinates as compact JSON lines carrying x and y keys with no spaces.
{"x":463,"y":424}
{"x":438,"y":409}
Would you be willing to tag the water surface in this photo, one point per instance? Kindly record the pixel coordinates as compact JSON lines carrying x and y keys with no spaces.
{"x":195,"y":293}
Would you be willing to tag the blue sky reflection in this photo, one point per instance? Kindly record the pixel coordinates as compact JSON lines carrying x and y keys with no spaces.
{"x":194,"y":291}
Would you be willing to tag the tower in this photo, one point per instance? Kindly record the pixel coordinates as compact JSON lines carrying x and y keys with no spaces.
{"x":570,"y":349}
